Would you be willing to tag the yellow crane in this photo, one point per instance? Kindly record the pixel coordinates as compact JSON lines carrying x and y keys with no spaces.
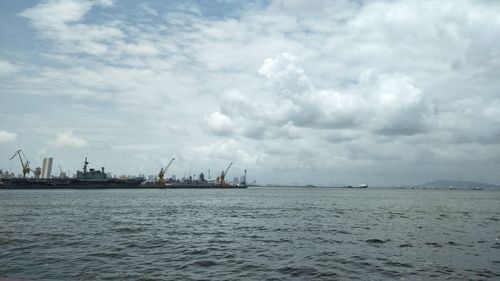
{"x":223,"y":175}
{"x":163,"y":172}
{"x":24,"y":164}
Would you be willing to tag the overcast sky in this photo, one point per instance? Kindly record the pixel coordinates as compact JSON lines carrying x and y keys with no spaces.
{"x":321,"y":92}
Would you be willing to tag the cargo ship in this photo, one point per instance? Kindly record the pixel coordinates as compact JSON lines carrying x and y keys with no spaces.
{"x":86,"y":179}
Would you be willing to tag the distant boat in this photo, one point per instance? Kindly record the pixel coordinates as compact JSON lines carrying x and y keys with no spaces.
{"x":363,"y":185}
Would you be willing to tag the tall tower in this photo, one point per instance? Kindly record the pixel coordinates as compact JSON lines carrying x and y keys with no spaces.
{"x":47,"y":167}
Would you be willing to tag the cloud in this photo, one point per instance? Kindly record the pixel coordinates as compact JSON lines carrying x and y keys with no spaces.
{"x":341,"y":85}
{"x":69,"y":140}
{"x":287,"y":76}
{"x":6,"y":137}
{"x":230,"y":150}
{"x":386,"y":103}
{"x":7,"y":68}
{"x":60,"y":20}
{"x":471,"y":120}
{"x":219,"y":124}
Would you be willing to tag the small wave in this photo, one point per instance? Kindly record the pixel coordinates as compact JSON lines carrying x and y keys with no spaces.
{"x":327,"y":275}
{"x":443,"y":216}
{"x":110,"y":255}
{"x":377,"y":241}
{"x":398,"y":264}
{"x":205,"y":263}
{"x":406,"y":245}
{"x":196,"y":252}
{"x":484,"y":273}
{"x":434,"y":244}
{"x":298,"y":271}
{"x":13,"y":279}
{"x":127,"y":230}
{"x":249,"y":267}
{"x":358,"y":258}
{"x":444,"y":270}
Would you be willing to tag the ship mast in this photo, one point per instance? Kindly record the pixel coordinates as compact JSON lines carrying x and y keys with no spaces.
{"x":85,"y":165}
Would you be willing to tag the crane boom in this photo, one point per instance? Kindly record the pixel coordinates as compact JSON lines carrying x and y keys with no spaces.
{"x":24,"y":165}
{"x":227,"y":170}
{"x":169,"y":163}
{"x":16,"y":153}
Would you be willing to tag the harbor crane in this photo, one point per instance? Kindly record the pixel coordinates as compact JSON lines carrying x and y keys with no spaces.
{"x":62,"y":174}
{"x":162,"y":173}
{"x":224,"y":173}
{"x":24,"y":164}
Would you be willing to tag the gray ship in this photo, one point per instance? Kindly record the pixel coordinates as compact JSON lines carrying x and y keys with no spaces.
{"x":86,"y":179}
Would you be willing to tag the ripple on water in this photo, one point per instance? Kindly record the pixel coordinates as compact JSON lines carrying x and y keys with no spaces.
{"x":204,"y":263}
{"x":268,"y":234}
{"x":377,"y":241}
{"x":398,"y":264}
{"x":298,"y":271}
{"x":433,"y":244}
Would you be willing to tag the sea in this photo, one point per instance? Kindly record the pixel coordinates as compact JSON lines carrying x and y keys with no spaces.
{"x":267,"y":233}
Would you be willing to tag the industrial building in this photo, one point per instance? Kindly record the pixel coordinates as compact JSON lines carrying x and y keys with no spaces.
{"x":47,"y":167}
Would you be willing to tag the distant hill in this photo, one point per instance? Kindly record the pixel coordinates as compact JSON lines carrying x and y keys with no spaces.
{"x":457,"y":184}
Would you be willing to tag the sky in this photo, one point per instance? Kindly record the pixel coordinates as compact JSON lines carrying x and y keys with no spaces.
{"x":296,"y":92}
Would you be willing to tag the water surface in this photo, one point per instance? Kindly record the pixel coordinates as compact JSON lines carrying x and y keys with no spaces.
{"x":253,"y":234}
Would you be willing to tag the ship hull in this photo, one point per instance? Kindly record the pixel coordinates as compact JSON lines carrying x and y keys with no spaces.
{"x":18,"y":183}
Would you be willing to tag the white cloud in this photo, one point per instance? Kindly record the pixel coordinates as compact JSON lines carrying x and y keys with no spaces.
{"x":69,"y":140}
{"x":7,"y":68}
{"x":380,"y":103}
{"x":219,"y":123}
{"x":55,"y":14}
{"x":286,"y":74}
{"x":229,"y":150}
{"x":7,"y":137}
{"x":60,"y":20}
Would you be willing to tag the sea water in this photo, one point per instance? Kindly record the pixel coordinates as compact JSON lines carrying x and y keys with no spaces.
{"x":270,"y":233}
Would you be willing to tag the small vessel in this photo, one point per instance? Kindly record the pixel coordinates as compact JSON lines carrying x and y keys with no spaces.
{"x":363,"y":185}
